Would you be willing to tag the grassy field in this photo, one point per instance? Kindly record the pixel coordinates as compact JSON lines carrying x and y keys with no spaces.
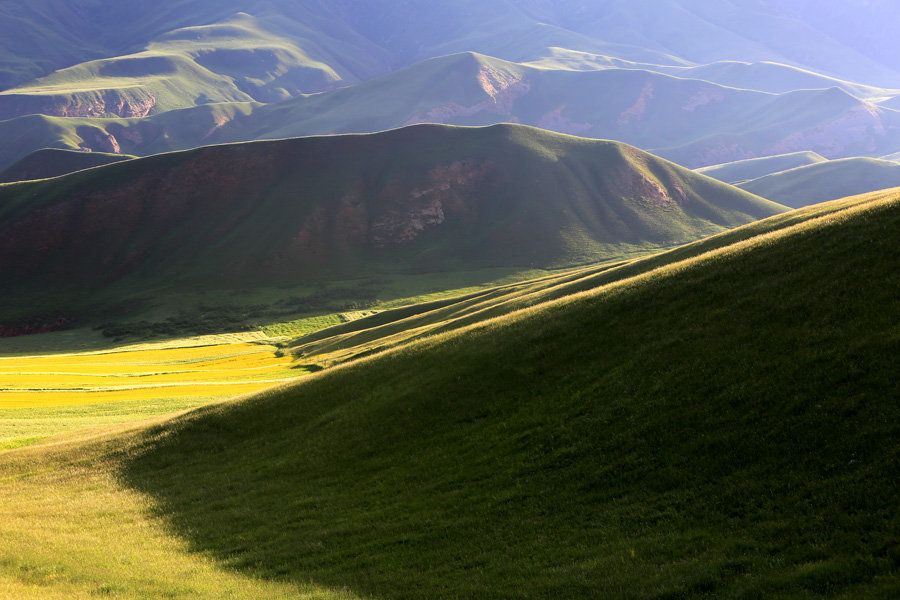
{"x":70,"y":380}
{"x":716,"y":421}
{"x":46,"y":394}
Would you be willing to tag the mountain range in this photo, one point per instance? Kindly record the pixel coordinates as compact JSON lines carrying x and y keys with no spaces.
{"x":679,"y":78}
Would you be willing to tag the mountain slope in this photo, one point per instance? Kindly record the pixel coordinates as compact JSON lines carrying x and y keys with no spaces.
{"x":683,"y":119}
{"x":51,"y":162}
{"x":752,"y":168}
{"x":824,"y":181}
{"x":153,"y":58}
{"x":425,"y":198}
{"x":720,"y":426}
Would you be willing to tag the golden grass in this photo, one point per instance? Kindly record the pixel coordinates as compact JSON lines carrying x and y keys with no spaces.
{"x":140,"y":373}
{"x":82,"y":534}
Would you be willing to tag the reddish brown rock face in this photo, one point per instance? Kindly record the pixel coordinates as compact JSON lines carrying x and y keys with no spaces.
{"x":104,"y":104}
{"x":39,"y":326}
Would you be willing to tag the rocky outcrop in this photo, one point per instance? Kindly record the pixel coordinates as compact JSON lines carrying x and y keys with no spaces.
{"x":398,"y":213}
{"x":445,"y":190}
{"x":109,"y":103}
{"x":34,"y":326}
{"x":555,"y":120}
{"x":860,"y":126}
{"x":636,"y":111}
{"x":501,"y":87}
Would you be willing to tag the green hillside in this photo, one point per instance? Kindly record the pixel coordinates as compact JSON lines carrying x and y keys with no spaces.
{"x":824,"y":181}
{"x":52,"y":162}
{"x":683,"y":118}
{"x":416,"y":200}
{"x":771,"y":77}
{"x":752,"y":168}
{"x":717,"y":423}
{"x":265,"y":49}
{"x":740,"y":30}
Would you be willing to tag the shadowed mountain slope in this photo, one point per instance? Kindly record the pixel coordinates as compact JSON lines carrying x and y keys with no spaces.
{"x":824,"y":181}
{"x":424,"y":198}
{"x":52,"y":162}
{"x":720,"y":426}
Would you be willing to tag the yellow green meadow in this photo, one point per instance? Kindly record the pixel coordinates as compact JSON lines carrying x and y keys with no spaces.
{"x":46,"y":394}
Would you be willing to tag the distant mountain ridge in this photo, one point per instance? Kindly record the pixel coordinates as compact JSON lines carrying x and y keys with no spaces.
{"x":423,"y":198}
{"x":691,"y":121}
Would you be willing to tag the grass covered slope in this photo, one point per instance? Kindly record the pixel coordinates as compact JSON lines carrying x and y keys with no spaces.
{"x":692,"y":121}
{"x":52,"y":162}
{"x":715,"y":421}
{"x":720,"y":426}
{"x":752,"y":168}
{"x":825,"y":181}
{"x":419,"y":199}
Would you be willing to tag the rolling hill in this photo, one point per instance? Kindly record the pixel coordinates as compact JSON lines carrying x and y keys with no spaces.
{"x":52,"y":162}
{"x":419,"y":199}
{"x":752,"y":168}
{"x":715,"y":421}
{"x":770,"y":77}
{"x":824,"y":181}
{"x":103,"y":58}
{"x":690,"y":121}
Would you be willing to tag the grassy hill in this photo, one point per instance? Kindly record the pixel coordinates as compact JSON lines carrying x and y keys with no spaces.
{"x":272,"y":46}
{"x":771,"y":77}
{"x":52,"y":162}
{"x":752,"y":168}
{"x":103,"y":58}
{"x":683,"y":118}
{"x":717,"y":422}
{"x":824,"y":181}
{"x":415,"y":200}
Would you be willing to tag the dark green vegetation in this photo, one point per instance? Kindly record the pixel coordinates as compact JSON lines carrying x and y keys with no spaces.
{"x":753,"y":168}
{"x":824,"y":181}
{"x":52,"y":162}
{"x":723,"y":425}
{"x":421,"y":199}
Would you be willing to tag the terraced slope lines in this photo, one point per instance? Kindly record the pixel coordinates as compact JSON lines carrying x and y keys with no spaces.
{"x":719,"y":420}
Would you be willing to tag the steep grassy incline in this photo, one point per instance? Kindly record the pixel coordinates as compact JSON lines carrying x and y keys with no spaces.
{"x":420,"y":199}
{"x":52,"y":162}
{"x":753,"y":168}
{"x":825,"y":181}
{"x":723,"y":426}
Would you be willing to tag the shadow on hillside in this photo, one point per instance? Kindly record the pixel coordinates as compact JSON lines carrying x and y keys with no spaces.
{"x":726,"y":432}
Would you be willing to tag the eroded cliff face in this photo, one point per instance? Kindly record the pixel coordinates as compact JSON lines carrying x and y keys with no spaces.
{"x":502,"y":90}
{"x":861,"y":126}
{"x":109,"y":103}
{"x":398,"y":212}
{"x":34,"y":326}
{"x":447,"y":190}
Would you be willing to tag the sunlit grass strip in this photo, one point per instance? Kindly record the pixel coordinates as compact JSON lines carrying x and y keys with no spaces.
{"x":142,"y":373}
{"x":83,"y":535}
{"x":34,"y":398}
